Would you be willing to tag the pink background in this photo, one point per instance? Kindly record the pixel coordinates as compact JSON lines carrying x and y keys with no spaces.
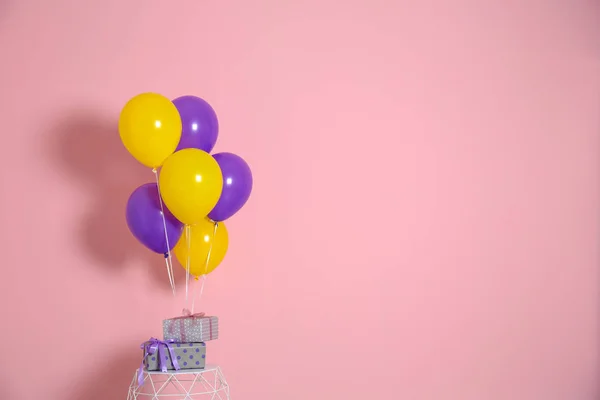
{"x":425,"y":220}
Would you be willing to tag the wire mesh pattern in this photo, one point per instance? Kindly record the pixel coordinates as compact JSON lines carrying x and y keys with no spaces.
{"x":191,"y":384}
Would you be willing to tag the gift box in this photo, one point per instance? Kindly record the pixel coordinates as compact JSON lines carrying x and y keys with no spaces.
{"x":191,"y":328}
{"x":162,"y":355}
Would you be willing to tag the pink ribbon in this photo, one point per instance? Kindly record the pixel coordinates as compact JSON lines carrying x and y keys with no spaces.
{"x":187,"y":314}
{"x":195,"y":319}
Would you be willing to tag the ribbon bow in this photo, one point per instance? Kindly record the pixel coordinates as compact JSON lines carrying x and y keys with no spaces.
{"x":151,"y":347}
{"x":187,"y":314}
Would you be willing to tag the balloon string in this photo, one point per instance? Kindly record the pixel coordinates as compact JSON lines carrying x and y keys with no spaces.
{"x":201,"y":291}
{"x":205,"y":269}
{"x":168,"y":272}
{"x":188,"y":234}
{"x":162,"y":213}
{"x":210,"y":247}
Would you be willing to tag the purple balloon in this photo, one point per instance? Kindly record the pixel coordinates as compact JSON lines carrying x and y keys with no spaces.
{"x":200,"y":124}
{"x":145,"y":220}
{"x":237,"y":186}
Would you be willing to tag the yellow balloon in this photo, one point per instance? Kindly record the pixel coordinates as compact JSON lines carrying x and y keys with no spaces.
{"x":201,"y":237}
{"x":190,"y":183}
{"x":150,"y":128}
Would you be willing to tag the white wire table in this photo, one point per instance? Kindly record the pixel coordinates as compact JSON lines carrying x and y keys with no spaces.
{"x":189,"y":384}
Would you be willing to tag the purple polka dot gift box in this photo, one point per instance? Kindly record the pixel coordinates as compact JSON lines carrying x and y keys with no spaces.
{"x":165,"y":355}
{"x":191,"y":328}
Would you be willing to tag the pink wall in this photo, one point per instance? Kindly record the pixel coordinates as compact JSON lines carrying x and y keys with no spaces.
{"x":425,"y":221}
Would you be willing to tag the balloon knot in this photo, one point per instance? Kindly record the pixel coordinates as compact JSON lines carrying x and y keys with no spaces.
{"x":166,"y":255}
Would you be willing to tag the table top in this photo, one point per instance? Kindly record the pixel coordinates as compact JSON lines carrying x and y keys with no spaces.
{"x":195,"y":371}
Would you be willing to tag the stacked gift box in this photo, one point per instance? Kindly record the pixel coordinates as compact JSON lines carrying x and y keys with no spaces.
{"x":183,"y":345}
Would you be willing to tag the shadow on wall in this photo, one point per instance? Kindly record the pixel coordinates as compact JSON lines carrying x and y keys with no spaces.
{"x":6,"y":391}
{"x":110,"y":380}
{"x":89,"y":149}
{"x":5,"y":6}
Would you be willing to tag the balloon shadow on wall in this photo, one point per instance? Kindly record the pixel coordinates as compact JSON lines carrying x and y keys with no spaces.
{"x":110,"y":380}
{"x":88,"y":148}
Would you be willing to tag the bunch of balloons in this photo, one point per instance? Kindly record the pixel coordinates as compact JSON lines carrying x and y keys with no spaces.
{"x":194,"y":191}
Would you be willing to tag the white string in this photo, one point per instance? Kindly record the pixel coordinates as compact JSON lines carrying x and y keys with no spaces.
{"x":162,"y":212}
{"x":201,"y":291}
{"x":188,"y":234}
{"x":168,"y":273}
{"x":210,"y":247}
{"x":205,"y":269}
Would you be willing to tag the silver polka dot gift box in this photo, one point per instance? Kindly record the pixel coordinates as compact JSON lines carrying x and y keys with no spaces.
{"x":174,"y":356}
{"x":191,"y":328}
